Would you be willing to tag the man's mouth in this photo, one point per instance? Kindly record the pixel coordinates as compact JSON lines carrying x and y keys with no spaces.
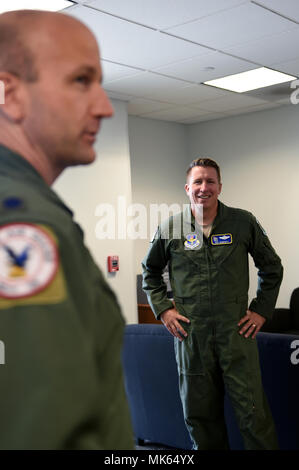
{"x":203,"y":197}
{"x":90,"y":135}
{"x":92,"y":131}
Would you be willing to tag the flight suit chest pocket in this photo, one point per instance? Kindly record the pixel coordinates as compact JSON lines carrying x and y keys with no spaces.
{"x":183,"y":258}
{"x":188,"y":354}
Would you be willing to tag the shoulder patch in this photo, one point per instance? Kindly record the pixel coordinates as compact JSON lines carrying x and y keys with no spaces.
{"x":28,"y":260}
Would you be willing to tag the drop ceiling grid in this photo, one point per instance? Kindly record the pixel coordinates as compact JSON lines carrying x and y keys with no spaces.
{"x":247,"y":22}
{"x":133,"y":45}
{"x":159,"y":73}
{"x":288,"y":8}
{"x":163,"y":14}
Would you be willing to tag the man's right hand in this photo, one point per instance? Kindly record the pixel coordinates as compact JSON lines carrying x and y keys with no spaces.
{"x":170,"y":318}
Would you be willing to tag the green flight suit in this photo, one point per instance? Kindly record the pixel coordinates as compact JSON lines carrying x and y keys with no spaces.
{"x":210,"y":288}
{"x":61,"y":386}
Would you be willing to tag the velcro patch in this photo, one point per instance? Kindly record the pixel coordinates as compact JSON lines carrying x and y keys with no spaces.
{"x":223,"y":239}
{"x":29,"y":260}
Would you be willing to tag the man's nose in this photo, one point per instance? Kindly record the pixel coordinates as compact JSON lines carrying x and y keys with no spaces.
{"x":203,"y":186}
{"x":101,"y":105}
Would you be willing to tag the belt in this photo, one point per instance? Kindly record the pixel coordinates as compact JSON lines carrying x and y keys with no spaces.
{"x":195,"y":300}
{"x":186,"y":300}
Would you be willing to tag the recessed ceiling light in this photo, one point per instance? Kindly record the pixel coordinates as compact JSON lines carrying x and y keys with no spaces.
{"x":251,"y":80}
{"x":50,"y":5}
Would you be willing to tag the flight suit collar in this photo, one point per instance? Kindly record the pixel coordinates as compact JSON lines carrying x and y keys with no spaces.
{"x":188,"y":217}
{"x":194,"y":255}
{"x":13,"y":164}
{"x":222,"y":212}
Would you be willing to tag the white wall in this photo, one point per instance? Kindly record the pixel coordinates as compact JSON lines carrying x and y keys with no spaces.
{"x":259,"y":157}
{"x":158,"y":165}
{"x":84,"y":188}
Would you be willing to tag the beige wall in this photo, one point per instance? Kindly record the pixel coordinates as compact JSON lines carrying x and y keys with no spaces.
{"x":158,"y":161}
{"x":84,"y":188}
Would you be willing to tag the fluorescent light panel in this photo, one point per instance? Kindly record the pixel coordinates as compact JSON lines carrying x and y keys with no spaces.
{"x":49,"y":5}
{"x":251,"y":80}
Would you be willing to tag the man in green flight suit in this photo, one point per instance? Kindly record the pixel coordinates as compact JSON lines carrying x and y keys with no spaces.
{"x":61,"y":386}
{"x":213,"y":326}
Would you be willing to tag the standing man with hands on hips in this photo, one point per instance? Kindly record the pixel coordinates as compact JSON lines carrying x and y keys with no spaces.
{"x":213,"y":326}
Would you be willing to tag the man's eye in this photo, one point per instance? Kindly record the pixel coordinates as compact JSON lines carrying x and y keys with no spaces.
{"x":84,"y":79}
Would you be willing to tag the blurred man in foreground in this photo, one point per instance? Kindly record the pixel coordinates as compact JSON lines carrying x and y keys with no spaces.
{"x":62,"y":382}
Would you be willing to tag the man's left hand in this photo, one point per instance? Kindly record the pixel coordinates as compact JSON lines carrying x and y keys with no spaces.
{"x":252,"y":323}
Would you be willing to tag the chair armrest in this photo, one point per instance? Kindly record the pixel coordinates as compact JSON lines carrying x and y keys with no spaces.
{"x":280,"y":321}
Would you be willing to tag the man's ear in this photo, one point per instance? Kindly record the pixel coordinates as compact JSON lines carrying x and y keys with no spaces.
{"x":12,"y":104}
{"x":187,"y":189}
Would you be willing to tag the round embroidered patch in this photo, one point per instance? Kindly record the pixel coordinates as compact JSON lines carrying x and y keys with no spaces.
{"x":28,"y":260}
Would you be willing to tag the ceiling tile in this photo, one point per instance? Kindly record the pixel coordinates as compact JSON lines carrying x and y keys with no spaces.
{"x":139,"y":106}
{"x":204,"y":118}
{"x":273,"y":93}
{"x":176,"y":113}
{"x":187,"y":95}
{"x":252,"y":109}
{"x":112,"y":71}
{"x":118,"y":96}
{"x":162,"y":14}
{"x":133,"y":45}
{"x":291,"y":67}
{"x":233,"y":101}
{"x":238,"y":25}
{"x":288,"y":8}
{"x":146,"y":84}
{"x":271,"y":49}
{"x":164,"y":89}
{"x":287,"y":101}
{"x":206,"y":67}
{"x":195,"y":94}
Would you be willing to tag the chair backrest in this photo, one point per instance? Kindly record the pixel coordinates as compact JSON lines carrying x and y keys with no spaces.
{"x":152,"y":387}
{"x":294,"y":307}
{"x":141,"y":295}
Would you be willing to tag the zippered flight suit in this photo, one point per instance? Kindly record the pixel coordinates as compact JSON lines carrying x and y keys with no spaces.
{"x":61,"y":386}
{"x":210,"y":288}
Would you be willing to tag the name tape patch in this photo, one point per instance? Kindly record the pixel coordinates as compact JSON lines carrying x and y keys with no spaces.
{"x":223,"y":239}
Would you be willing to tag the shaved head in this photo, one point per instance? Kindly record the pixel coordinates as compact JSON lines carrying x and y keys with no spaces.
{"x":54,"y":100}
{"x":20,"y":33}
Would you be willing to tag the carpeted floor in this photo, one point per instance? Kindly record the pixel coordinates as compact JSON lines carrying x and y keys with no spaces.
{"x":152,"y":446}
